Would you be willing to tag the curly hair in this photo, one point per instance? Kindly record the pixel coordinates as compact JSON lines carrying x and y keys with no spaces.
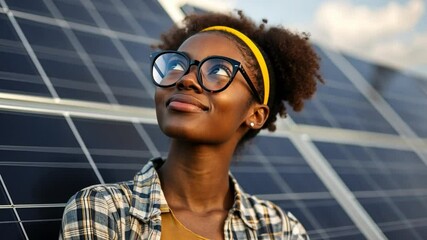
{"x":292,"y":63}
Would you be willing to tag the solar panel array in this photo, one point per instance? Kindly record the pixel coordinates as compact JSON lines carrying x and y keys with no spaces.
{"x":76,"y":109}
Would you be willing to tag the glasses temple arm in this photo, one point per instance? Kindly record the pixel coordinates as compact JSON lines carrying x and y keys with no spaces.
{"x":251,"y":85}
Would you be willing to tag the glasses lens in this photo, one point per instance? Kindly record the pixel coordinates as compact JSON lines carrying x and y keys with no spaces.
{"x":216,"y":73}
{"x":168,"y":68}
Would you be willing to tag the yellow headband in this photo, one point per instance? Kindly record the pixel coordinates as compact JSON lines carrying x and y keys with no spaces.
{"x":255,"y":50}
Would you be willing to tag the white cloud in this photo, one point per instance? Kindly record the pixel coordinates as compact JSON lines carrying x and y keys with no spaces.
{"x":385,"y":34}
{"x":344,"y":22}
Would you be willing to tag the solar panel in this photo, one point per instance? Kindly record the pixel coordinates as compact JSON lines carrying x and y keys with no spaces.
{"x":76,"y":109}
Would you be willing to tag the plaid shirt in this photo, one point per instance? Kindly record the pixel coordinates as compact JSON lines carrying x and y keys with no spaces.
{"x":131,"y":210}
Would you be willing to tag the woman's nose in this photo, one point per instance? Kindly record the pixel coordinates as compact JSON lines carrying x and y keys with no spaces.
{"x":189,"y":80}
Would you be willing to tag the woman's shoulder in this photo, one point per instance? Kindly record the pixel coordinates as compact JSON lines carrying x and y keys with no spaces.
{"x":269,"y":213}
{"x":102,"y":194}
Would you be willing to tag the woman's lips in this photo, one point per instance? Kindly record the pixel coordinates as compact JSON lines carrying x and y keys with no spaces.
{"x":185,"y":103}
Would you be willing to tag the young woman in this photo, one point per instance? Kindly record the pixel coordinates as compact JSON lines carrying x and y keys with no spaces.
{"x":220,"y":80}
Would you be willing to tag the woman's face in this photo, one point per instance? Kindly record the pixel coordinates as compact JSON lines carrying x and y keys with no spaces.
{"x":186,"y":111}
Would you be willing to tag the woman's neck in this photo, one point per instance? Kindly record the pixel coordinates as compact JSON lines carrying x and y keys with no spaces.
{"x":195,"y":177}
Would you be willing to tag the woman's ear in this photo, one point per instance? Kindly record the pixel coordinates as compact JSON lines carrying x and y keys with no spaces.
{"x":258,"y":116}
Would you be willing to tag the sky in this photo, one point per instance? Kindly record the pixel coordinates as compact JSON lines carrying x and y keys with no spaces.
{"x":392,"y":32}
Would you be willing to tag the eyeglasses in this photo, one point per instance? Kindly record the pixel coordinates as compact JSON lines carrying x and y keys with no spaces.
{"x":214,"y":73}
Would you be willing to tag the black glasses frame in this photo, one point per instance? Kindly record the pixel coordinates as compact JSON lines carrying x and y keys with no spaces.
{"x":237,"y":66}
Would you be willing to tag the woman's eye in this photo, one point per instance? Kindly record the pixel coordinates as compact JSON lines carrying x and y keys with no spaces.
{"x":220,"y":70}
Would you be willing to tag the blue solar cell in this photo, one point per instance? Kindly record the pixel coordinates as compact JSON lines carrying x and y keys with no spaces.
{"x":137,"y":101}
{"x":109,"y":135}
{"x":330,"y":71}
{"x":149,"y":6}
{"x":412,"y":208}
{"x":18,"y":128}
{"x":397,"y":234}
{"x":74,"y":11}
{"x":257,"y":182}
{"x":154,"y":20}
{"x":302,"y":182}
{"x":344,"y":109}
{"x":72,"y":79}
{"x":140,"y":52}
{"x":97,"y":45}
{"x":118,"y":175}
{"x":7,"y":31}
{"x":17,"y":63}
{"x":35,"y":7}
{"x":11,"y":231}
{"x":37,"y":230}
{"x":72,"y":70}
{"x":120,"y":77}
{"x":6,"y":215}
{"x":125,"y":86}
{"x":273,"y":146}
{"x":117,"y":22}
{"x":45,"y":35}
{"x":411,"y":113}
{"x":154,"y":28}
{"x":118,"y":167}
{"x":3,"y":198}
{"x":28,"y":185}
{"x":44,"y":213}
{"x":30,"y":85}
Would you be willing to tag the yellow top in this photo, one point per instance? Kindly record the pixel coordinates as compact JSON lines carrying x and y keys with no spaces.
{"x":255,"y":50}
{"x":172,"y":229}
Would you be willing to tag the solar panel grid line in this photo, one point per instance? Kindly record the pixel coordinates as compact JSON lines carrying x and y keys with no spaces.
{"x":30,"y":51}
{"x":284,"y":187}
{"x":122,"y":50}
{"x":13,"y":208}
{"x":82,"y":53}
{"x":84,"y":28}
{"x":83,"y":147}
{"x":337,"y":187}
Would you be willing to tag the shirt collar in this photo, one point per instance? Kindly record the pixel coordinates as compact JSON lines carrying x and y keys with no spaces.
{"x":243,"y":205}
{"x":147,"y":195}
{"x":148,"y":200}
